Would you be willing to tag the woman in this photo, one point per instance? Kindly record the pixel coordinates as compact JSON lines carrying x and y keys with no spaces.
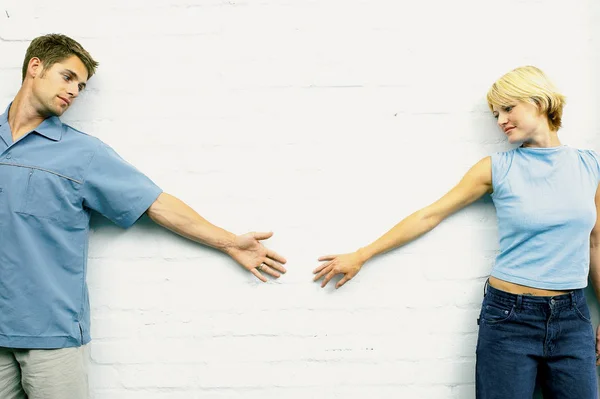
{"x":534,"y":320}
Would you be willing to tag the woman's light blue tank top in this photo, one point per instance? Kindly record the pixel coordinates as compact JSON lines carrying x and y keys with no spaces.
{"x":544,"y":200}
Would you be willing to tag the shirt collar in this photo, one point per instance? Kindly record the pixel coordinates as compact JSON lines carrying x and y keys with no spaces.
{"x":4,"y":116}
{"x":51,"y":127}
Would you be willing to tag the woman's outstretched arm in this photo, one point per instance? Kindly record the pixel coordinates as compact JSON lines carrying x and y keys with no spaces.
{"x":475,"y":183}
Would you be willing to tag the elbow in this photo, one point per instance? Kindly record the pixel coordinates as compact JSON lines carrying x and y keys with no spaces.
{"x":152,"y":212}
{"x":156,"y":211}
{"x":429,"y":218}
{"x":595,"y":240}
{"x":595,"y":237}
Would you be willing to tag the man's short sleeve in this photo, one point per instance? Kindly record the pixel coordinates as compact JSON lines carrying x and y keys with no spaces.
{"x":116,"y":189}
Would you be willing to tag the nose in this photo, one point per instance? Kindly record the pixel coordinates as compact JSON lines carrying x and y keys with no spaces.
{"x":73,"y":89}
{"x":502,"y":119}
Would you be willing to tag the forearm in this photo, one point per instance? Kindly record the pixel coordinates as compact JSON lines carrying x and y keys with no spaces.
{"x":173,"y":214}
{"x":407,"y":230}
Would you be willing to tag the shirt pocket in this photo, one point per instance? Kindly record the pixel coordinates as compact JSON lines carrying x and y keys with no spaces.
{"x":49,"y":195}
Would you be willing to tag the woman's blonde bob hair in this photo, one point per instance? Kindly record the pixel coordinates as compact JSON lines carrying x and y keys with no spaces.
{"x":528,"y":84}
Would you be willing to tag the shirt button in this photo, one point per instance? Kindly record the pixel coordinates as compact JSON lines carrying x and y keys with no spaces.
{"x":552,"y":301}
{"x":8,"y":156}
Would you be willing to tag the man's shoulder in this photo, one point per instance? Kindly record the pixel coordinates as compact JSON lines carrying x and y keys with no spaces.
{"x":82,"y":138}
{"x":68,"y":129}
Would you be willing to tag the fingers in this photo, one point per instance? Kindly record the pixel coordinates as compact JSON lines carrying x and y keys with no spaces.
{"x":268,"y":267}
{"x":275,"y":256}
{"x":263,"y":267}
{"x":274,"y":265}
{"x":329,"y":270}
{"x":343,"y":281}
{"x":327,"y":257}
{"x":270,"y":253}
{"x":258,"y":275}
{"x":598,"y":346}
{"x":262,"y":236}
{"x":328,"y":277}
{"x":322,"y":270}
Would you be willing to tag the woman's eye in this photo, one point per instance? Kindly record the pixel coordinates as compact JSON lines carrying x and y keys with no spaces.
{"x":67,"y":77}
{"x":508,"y":108}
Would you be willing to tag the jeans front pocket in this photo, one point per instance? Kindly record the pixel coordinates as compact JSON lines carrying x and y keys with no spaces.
{"x":495,"y":313}
{"x":583,"y":312}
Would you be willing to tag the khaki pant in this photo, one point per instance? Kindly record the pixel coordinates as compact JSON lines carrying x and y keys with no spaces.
{"x":43,"y":373}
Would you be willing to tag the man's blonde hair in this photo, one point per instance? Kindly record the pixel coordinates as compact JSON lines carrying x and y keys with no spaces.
{"x":528,"y":84}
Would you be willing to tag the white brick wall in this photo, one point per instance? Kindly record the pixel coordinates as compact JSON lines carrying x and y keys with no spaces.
{"x":324,"y":121}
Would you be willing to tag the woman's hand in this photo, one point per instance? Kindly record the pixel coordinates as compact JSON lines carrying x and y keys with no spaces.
{"x":347,"y":264}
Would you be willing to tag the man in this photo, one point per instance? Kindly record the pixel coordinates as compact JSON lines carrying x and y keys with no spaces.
{"x":51,"y":177}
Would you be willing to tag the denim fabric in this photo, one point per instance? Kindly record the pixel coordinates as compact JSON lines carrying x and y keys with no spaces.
{"x":524,"y":338}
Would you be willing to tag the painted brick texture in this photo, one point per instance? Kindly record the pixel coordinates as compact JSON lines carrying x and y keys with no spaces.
{"x":326,"y":122}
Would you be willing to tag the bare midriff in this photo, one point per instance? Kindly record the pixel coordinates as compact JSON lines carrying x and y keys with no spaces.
{"x":522,"y":289}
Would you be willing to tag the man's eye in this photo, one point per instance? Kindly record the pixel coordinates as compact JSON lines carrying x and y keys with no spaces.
{"x":67,"y":77}
{"x":81,"y":87}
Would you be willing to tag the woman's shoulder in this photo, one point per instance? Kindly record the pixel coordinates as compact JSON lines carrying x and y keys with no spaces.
{"x":588,"y":153}
{"x":590,"y":159}
{"x":503,"y":157}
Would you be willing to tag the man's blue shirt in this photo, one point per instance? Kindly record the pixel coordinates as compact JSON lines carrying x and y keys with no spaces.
{"x":50,"y":181}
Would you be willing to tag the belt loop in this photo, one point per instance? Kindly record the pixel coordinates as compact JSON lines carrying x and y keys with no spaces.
{"x":573,"y":300}
{"x":519,"y":301}
{"x":485,"y":286}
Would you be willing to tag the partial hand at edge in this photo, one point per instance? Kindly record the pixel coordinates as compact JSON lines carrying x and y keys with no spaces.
{"x":598,"y":346}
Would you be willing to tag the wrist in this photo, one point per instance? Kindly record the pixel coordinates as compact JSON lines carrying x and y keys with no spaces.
{"x":227,"y":244}
{"x":363,"y":254}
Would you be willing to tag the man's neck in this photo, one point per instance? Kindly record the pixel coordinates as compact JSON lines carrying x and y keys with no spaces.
{"x":22,"y":116}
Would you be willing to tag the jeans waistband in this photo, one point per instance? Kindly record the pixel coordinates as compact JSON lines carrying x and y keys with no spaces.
{"x":556,"y":301}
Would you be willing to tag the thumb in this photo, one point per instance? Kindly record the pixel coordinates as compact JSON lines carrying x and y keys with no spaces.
{"x":262,"y":236}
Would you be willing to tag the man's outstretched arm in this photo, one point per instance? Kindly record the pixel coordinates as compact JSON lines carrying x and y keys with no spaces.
{"x":173,"y":214}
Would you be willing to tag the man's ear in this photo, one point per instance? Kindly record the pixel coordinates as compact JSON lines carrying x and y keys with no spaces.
{"x":35,"y":68}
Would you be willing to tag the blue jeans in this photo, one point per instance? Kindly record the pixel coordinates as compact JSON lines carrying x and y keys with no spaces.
{"x":524,"y":338}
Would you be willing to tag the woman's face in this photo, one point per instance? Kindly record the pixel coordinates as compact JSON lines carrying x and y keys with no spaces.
{"x":521,"y":121}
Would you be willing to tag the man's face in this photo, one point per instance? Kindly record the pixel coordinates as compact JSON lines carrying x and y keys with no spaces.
{"x":56,"y":88}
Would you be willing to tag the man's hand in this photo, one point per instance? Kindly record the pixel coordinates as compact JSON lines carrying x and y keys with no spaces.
{"x":346,"y":264}
{"x":247,"y":250}
{"x":175,"y":215}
